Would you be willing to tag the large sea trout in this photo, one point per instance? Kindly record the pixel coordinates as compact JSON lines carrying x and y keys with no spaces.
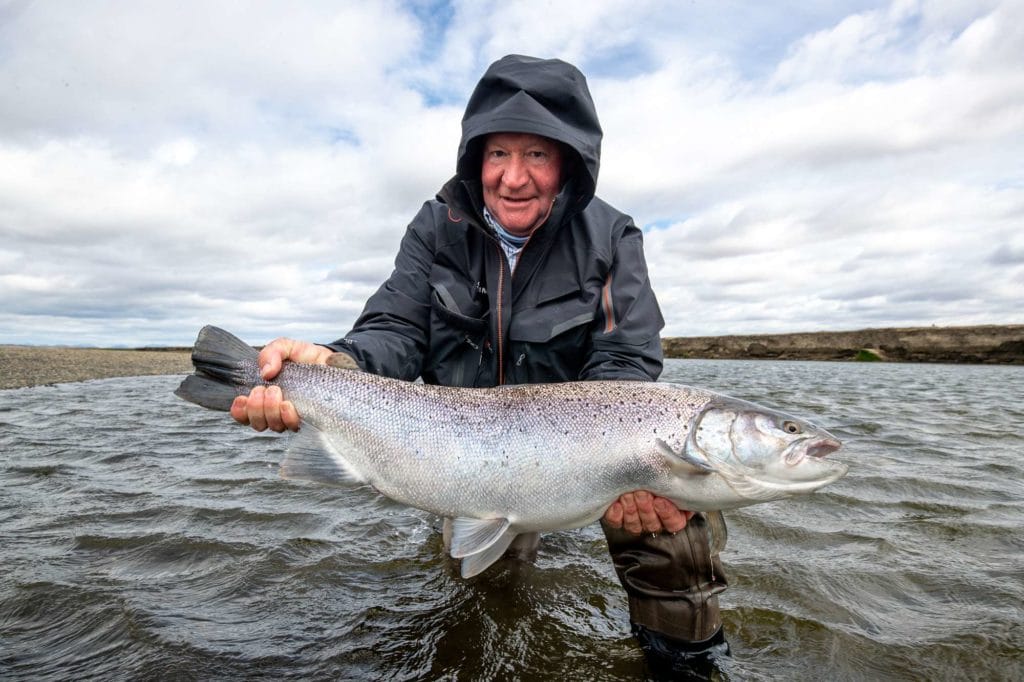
{"x":518,"y":459}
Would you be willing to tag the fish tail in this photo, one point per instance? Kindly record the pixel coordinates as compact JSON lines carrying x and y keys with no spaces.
{"x":225,"y":368}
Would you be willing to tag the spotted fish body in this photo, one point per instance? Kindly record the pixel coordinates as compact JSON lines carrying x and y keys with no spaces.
{"x":519,"y":459}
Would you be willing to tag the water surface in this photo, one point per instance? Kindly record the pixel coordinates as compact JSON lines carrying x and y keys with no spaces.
{"x":142,"y":537}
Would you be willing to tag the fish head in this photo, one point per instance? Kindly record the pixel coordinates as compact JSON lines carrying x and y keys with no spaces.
{"x":763,"y":453}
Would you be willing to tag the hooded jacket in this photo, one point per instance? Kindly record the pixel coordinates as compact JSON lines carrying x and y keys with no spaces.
{"x":579,"y":304}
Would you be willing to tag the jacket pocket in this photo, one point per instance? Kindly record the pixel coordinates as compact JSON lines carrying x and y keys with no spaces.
{"x":457,"y":302}
{"x":448,"y":311}
{"x":537,"y":326}
{"x":459,"y":354}
{"x":560,"y":306}
{"x":563,"y":285}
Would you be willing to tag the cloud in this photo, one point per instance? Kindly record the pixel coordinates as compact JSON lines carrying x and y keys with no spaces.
{"x":795,"y":167}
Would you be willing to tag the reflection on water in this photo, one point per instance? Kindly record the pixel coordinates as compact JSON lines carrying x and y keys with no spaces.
{"x":142,"y":537}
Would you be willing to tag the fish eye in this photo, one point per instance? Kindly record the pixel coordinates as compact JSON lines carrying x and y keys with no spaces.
{"x":791,"y":427}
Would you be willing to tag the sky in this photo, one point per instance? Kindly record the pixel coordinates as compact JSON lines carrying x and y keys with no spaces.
{"x":794,"y":166}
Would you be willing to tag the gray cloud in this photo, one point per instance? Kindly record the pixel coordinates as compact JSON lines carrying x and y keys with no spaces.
{"x":838,"y":166}
{"x":1005,"y":254}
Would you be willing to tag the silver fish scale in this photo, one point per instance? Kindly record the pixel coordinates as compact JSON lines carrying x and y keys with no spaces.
{"x":544,"y":456}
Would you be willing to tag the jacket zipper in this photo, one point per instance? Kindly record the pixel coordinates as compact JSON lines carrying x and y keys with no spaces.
{"x":502,"y":262}
{"x":501,"y":319}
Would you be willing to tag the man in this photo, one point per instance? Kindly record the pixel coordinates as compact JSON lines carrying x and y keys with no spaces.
{"x":518,"y":273}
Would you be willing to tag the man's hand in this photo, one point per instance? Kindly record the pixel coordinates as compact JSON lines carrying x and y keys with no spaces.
{"x":642,"y":512}
{"x":264,"y":407}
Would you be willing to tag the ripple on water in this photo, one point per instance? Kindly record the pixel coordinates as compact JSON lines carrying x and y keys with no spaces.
{"x":145,"y":538}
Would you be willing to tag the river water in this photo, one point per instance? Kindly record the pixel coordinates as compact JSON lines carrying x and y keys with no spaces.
{"x":142,"y":537}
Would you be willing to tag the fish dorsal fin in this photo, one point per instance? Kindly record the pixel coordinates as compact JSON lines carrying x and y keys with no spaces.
{"x":717,"y":531}
{"x":477,"y":563}
{"x":698,"y":464}
{"x":312,"y":457}
{"x":472,"y":536}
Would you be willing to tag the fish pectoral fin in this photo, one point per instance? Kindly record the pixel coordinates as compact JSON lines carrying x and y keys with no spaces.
{"x":472,"y":536}
{"x":697,"y":464}
{"x":477,"y":563}
{"x":312,"y":457}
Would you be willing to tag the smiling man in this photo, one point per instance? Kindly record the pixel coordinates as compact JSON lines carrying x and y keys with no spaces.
{"x":521,"y":176}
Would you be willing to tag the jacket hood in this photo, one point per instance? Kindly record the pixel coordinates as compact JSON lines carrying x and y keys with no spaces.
{"x":547,"y":97}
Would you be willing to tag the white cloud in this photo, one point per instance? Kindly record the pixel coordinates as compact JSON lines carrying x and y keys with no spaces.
{"x":836,"y":166}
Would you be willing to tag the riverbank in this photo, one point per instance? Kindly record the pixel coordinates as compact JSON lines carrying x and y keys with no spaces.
{"x":22,"y":366}
{"x":983,"y":344}
{"x":990,"y":344}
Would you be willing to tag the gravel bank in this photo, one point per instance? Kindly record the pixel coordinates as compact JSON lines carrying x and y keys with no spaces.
{"x":39,"y":365}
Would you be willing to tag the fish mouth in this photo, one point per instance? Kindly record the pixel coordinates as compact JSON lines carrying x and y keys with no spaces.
{"x":807,"y":466}
{"x":823,"y":447}
{"x":815,"y":448}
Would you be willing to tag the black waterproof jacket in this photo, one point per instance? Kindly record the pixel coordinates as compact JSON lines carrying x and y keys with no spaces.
{"x":579,"y":304}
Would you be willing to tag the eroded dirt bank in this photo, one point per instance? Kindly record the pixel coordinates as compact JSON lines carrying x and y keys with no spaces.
{"x":985,"y":344}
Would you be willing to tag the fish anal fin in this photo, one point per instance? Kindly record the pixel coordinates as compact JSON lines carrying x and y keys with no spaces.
{"x":312,"y":457}
{"x":477,"y":563}
{"x":472,"y":536}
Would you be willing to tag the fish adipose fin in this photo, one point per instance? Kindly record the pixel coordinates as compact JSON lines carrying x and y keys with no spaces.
{"x":223,"y":363}
{"x":312,"y":457}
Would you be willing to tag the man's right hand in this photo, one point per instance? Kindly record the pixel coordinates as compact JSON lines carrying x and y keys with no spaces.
{"x":643,"y":512}
{"x":264,"y":407}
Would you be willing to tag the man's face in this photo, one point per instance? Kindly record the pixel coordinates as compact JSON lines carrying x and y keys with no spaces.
{"x":521,"y":174}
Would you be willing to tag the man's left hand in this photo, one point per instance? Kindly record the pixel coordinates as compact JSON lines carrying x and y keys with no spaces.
{"x":642,"y":512}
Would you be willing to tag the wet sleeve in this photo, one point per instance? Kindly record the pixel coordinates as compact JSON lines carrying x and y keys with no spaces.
{"x":626,"y":340}
{"x":390,"y":336}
